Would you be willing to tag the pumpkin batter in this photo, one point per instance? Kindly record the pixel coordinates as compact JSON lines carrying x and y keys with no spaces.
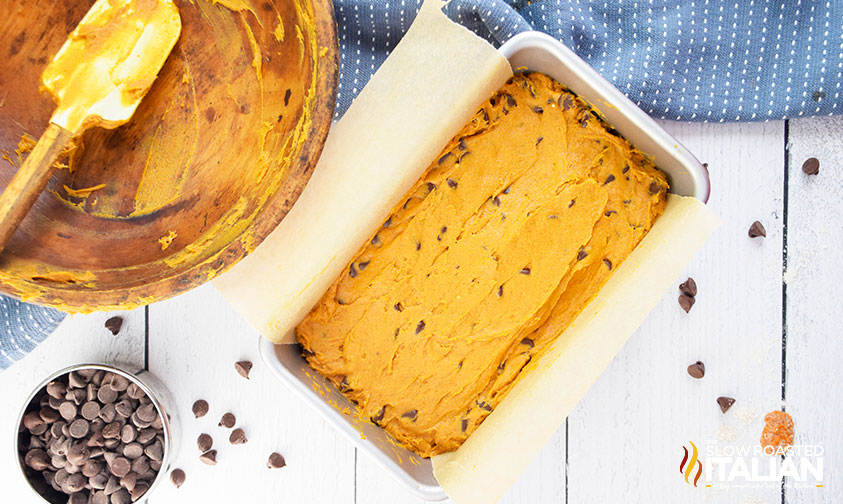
{"x":499,"y":246}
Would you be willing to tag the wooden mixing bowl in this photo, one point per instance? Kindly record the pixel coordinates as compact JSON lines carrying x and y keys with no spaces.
{"x":213,"y":159}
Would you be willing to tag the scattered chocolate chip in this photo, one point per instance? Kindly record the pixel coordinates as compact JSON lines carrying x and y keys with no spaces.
{"x":496,"y":201}
{"x":237,"y":437}
{"x":177,"y":477}
{"x":444,"y":157}
{"x":200,"y":408}
{"x":539,"y":140}
{"x":608,"y":264}
{"x":525,"y":271}
{"x":376,"y":241}
{"x":420,"y":326}
{"x":209,"y":457}
{"x":228,"y":420}
{"x":609,"y":179}
{"x":205,"y":442}
{"x":452,"y":183}
{"x":582,"y":254}
{"x":462,"y":145}
{"x":287,"y":95}
{"x":464,"y":425}
{"x":688,"y":287}
{"x":114,"y":324}
{"x":352,"y":271}
{"x":811,"y":166}
{"x":379,"y":416}
{"x":243,"y":367}
{"x":725,"y":403}
{"x":538,"y":110}
{"x":363,"y":265}
{"x":610,"y":213}
{"x":412,"y":415}
{"x":686,"y":302}
{"x":276,"y":461}
{"x":696,"y":370}
{"x":500,"y":291}
{"x":528,"y":342}
{"x":510,"y":100}
{"x":756,"y":230}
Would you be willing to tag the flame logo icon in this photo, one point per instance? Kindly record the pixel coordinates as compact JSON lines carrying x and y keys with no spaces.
{"x":686,"y":467}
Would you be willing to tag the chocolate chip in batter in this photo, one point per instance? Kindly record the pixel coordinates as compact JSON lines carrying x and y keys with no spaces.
{"x":398,"y":307}
{"x":582,"y":254}
{"x":412,"y":415}
{"x":452,"y":183}
{"x":525,"y":271}
{"x":379,"y":416}
{"x":500,"y":291}
{"x":610,"y":213}
{"x":464,"y":425}
{"x":420,"y":326}
{"x":510,"y":100}
{"x":376,"y":241}
{"x":655,"y":188}
{"x":688,"y":287}
{"x":462,"y":145}
{"x":287,"y":95}
{"x":756,"y":230}
{"x":539,"y":140}
{"x":625,"y":169}
{"x":418,"y":245}
{"x":352,"y":271}
{"x":573,"y":201}
{"x":528,"y":342}
{"x":114,"y":324}
{"x":496,"y":201}
{"x":608,"y":264}
{"x":538,"y":110}
{"x":388,"y":222}
{"x":609,"y":179}
{"x":811,"y":166}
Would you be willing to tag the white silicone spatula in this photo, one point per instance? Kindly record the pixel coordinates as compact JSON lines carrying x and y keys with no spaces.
{"x":98,"y":78}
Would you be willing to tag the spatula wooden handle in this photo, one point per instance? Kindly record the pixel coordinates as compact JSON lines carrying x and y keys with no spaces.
{"x":30,"y":180}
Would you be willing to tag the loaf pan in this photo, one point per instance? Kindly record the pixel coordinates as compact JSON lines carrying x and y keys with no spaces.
{"x":528,"y":51}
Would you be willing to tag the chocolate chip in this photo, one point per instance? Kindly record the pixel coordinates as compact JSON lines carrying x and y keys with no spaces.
{"x":74,"y":483}
{"x":398,"y":307}
{"x":37,"y":459}
{"x":177,"y":477}
{"x":200,"y":408}
{"x":205,"y":442}
{"x":106,"y":394}
{"x":420,"y":326}
{"x":228,"y":420}
{"x":686,"y":302}
{"x":538,"y":110}
{"x":376,"y":241}
{"x":756,"y":230}
{"x":510,"y":100}
{"x":697,"y":370}
{"x":688,"y":287}
{"x":528,"y":342}
{"x":124,"y":408}
{"x":128,"y":434}
{"x":129,"y":481}
{"x":452,"y":183}
{"x":107,"y":413}
{"x":500,"y":291}
{"x":655,"y":188}
{"x":114,"y":324}
{"x":33,"y":419}
{"x":276,"y":461}
{"x":121,"y":496}
{"x":352,"y":271}
{"x":237,"y":437}
{"x":379,"y":416}
{"x":120,"y":467}
{"x":496,"y":201}
{"x":79,"y":428}
{"x":209,"y":457}
{"x":91,"y":468}
{"x":243,"y":367}
{"x":112,"y":430}
{"x":444,"y":157}
{"x":525,"y":271}
{"x":609,"y":179}
{"x":132,"y":451}
{"x":582,"y":254}
{"x":363,"y":265}
{"x":134,"y":391}
{"x":67,"y":410}
{"x":90,"y":410}
{"x":608,"y":264}
{"x":412,"y":415}
{"x":725,"y":403}
{"x":147,"y":413}
{"x":811,"y":166}
{"x":56,"y":389}
{"x":539,"y":140}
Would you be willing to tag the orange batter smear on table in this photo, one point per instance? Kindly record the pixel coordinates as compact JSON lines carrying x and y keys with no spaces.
{"x":488,"y":258}
{"x":778,"y":431}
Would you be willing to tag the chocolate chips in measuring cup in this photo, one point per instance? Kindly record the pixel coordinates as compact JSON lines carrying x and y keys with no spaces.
{"x":93,"y":435}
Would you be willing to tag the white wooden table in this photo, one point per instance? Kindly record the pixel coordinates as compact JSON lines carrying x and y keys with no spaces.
{"x":768,"y":324}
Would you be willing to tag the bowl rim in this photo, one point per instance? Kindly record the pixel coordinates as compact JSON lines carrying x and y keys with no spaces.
{"x":155,"y":400}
